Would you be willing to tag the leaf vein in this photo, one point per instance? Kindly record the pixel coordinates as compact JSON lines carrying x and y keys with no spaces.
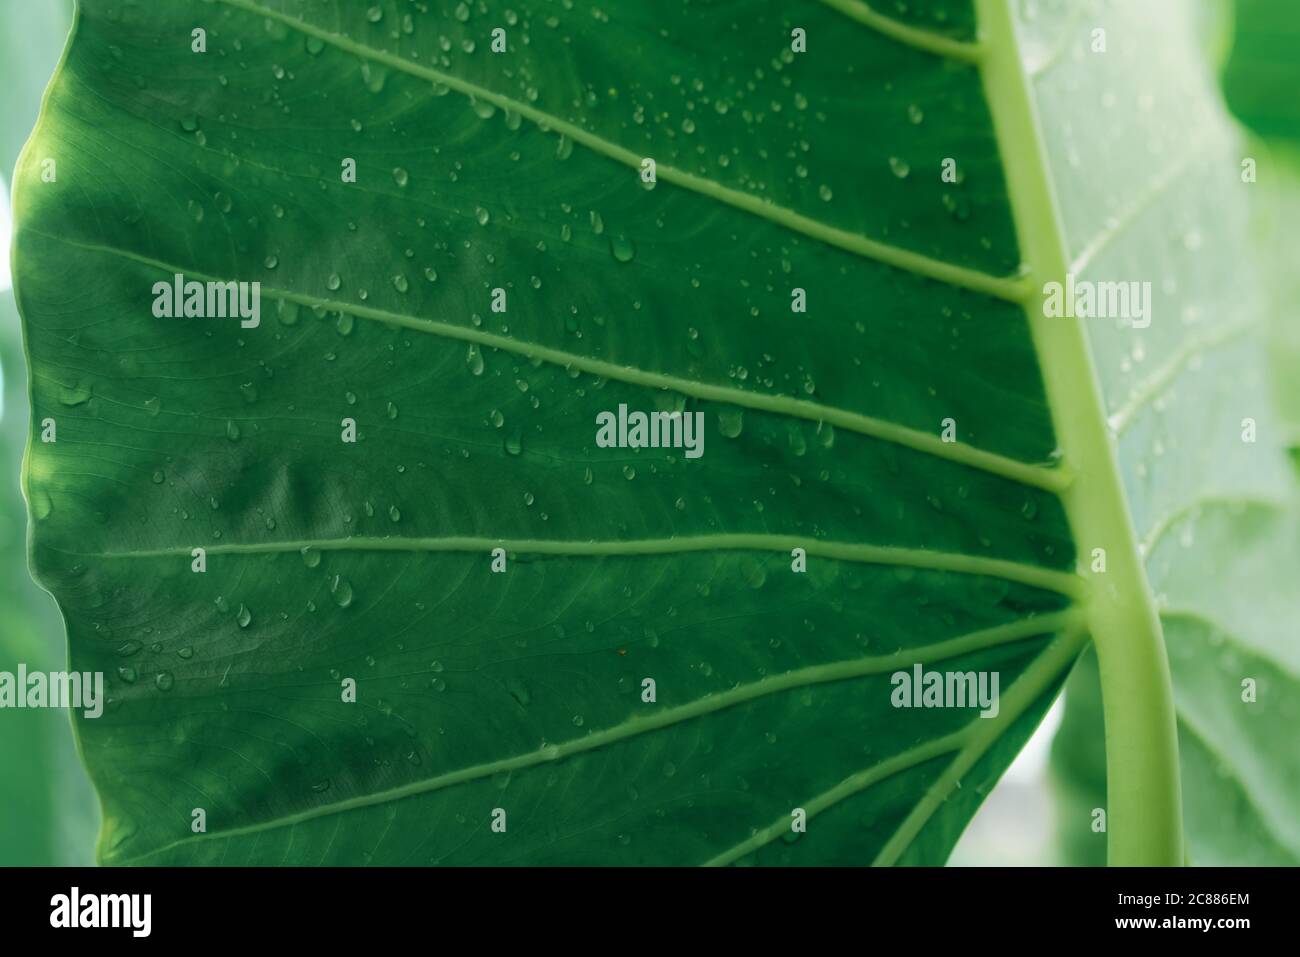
{"x":1053,"y":479}
{"x":1036,"y":576}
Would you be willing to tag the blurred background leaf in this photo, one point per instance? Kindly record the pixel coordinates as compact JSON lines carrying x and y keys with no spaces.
{"x":50,"y":815}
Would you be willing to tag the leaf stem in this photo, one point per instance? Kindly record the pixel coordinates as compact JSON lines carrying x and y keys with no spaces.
{"x":1144,"y":793}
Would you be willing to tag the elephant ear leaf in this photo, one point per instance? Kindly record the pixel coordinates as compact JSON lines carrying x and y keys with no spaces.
{"x":389,"y":571}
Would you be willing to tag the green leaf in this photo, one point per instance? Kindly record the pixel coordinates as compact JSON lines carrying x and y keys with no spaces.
{"x":521,"y":171}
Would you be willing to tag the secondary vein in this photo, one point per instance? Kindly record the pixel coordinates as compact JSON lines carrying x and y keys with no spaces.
{"x":1155,"y":385}
{"x":1050,"y":479}
{"x":1064,"y":583}
{"x":911,"y":36}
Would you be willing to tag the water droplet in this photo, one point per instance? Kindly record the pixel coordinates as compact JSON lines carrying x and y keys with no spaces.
{"x":374,"y":77}
{"x":731,"y":422}
{"x":400,"y":283}
{"x":899,"y":167}
{"x":341,"y":590}
{"x":244,"y":617}
{"x":474,"y":359}
{"x":622,"y":248}
{"x":164,"y":681}
{"x":401,"y":177}
{"x":74,"y":395}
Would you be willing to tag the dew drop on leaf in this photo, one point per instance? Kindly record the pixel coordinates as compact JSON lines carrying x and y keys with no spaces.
{"x":341,"y":591}
{"x":474,"y":359}
{"x":622,"y":249}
